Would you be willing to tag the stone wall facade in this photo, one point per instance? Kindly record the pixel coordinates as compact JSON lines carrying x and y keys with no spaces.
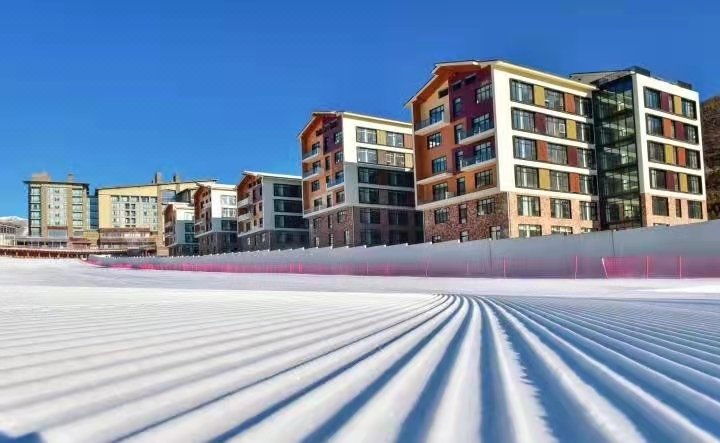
{"x":649,"y":219}
{"x":270,"y":240}
{"x":477,"y":226}
{"x":545,"y":220}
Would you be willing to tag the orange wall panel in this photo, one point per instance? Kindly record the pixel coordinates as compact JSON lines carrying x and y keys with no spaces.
{"x":681,"y":159}
{"x":667,"y":127}
{"x":542,"y":148}
{"x":570,"y":103}
{"x":574,"y":182}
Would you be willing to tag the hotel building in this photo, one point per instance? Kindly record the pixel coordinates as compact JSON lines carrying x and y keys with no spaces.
{"x":180,"y":225}
{"x":58,"y":211}
{"x":270,"y":212}
{"x":215,"y":207}
{"x":507,"y":151}
{"x":357,"y":182}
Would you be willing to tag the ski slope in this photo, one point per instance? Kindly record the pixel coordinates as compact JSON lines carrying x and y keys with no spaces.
{"x":90,"y":354}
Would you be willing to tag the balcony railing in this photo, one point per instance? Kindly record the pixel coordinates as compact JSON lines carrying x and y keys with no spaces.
{"x":473,"y":133}
{"x":335,"y":182}
{"x":311,"y":153}
{"x":438,"y":196}
{"x":424,"y":124}
{"x":476,"y":160}
{"x":247,"y":201}
{"x":244,"y":217}
{"x":315,"y":209}
{"x":311,"y":172}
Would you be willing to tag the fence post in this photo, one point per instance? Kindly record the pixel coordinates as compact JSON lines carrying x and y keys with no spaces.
{"x":647,"y":267}
{"x":504,"y":268}
{"x":576,"y":267}
{"x":680,"y":264}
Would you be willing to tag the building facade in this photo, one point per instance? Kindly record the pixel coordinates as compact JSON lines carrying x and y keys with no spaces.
{"x":507,"y":151}
{"x":357,"y":182}
{"x":215,"y":207}
{"x":270,"y":212}
{"x":58,"y":211}
{"x":711,"y":154}
{"x":180,"y":229}
{"x":123,"y":210}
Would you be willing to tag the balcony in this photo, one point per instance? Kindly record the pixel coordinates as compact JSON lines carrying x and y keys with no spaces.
{"x":476,"y":162}
{"x":247,"y":201}
{"x":244,"y":217}
{"x":476,"y":134}
{"x":315,"y":209}
{"x":439,"y":176}
{"x":310,"y":155}
{"x":437,"y":197}
{"x":432,"y":124}
{"x":311,"y":173}
{"x":335,"y":183}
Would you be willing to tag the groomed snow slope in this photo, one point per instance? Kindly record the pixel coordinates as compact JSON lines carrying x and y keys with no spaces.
{"x":90,"y":354}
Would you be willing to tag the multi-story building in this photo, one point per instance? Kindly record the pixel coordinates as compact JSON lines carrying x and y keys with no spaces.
{"x":649,"y":143}
{"x":180,"y":229}
{"x":503,"y":151}
{"x":358,"y":180}
{"x":270,"y":212}
{"x":58,"y":211}
{"x":215,"y":207}
{"x":134,"y":214}
{"x":507,"y":151}
{"x":711,"y":154}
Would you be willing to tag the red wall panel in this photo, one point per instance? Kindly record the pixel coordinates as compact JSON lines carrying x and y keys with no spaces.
{"x":574,"y":182}
{"x":542,"y":151}
{"x":572,"y":156}
{"x":540,"y":123}
{"x":570,"y":103}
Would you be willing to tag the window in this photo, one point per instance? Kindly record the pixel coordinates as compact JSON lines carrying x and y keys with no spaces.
{"x":483,"y":94}
{"x":464,"y":236}
{"x":554,"y":100}
{"x":442,"y":215}
{"x":339,"y":157}
{"x":437,"y":114}
{"x":586,"y":158}
{"x":228,"y":225}
{"x":695,"y":210}
{"x":678,"y":208}
{"x":584,"y":132}
{"x":367,"y":175}
{"x":618,"y":155}
{"x":557,"y":154}
{"x":329,"y":222}
{"x":587,"y":185}
{"x":654,"y":125}
{"x":459,"y":159}
{"x":370,"y":216}
{"x":588,"y":211}
{"x":436,"y":238}
{"x":440,"y":192}
{"x":658,"y":179}
{"x":462,"y":213}
{"x":486,"y":206}
{"x":525,"y":149}
{"x":484,"y":178}
{"x":527,"y":231}
{"x":555,"y":127}
{"x":583,"y":106}
{"x":521,"y":92}
{"x":399,"y":198}
{"x":526,"y":177}
{"x":367,"y":155}
{"x":346,"y":235}
{"x":457,"y":85}
{"x":370,"y":237}
{"x":688,"y":108}
{"x":434,"y":140}
{"x":559,"y":181}
{"x":369,"y":195}
{"x":395,"y":139}
{"x":692,"y":159}
{"x":327,"y":163}
{"x":315,"y":185}
{"x":439,"y":165}
{"x":495,"y":232}
{"x":395,"y":159}
{"x":399,"y":237}
{"x":563,"y":230}
{"x":691,"y":133}
{"x":398,"y":218}
{"x":228,"y":200}
{"x":656,"y":152}
{"x":404,"y":179}
{"x":660,"y":206}
{"x":652,"y":98}
{"x":528,"y":206}
{"x":292,"y":221}
{"x":365,"y":135}
{"x":484,"y":152}
{"x":229,"y":212}
{"x":340,"y":216}
{"x":470,"y":79}
{"x":340,"y":197}
{"x":338,"y":138}
{"x":523,"y":120}
{"x":481,"y":124}
{"x":460,"y":186}
{"x":459,"y":133}
{"x":457,"y":106}
{"x":560,"y":208}
{"x":694,"y":184}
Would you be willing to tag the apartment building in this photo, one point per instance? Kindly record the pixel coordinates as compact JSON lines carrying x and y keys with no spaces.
{"x":503,"y":150}
{"x":132,"y":216}
{"x":270,"y":212}
{"x":58,"y":211}
{"x":649,"y":143}
{"x":215,"y":207}
{"x":179,"y":228}
{"x":357,"y":181}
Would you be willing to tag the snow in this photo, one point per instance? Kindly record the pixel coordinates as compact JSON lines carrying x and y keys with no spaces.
{"x":95,"y":354}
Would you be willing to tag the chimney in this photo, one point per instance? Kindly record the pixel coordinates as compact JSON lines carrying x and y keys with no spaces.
{"x":70,"y":177}
{"x":158,"y":177}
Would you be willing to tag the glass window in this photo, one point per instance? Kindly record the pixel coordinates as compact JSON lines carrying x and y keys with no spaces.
{"x":619,"y":155}
{"x":521,"y":92}
{"x":555,"y":127}
{"x":691,"y":133}
{"x":557,"y":154}
{"x":460,"y":185}
{"x":688,"y":108}
{"x":587,"y":185}
{"x":660,"y":206}
{"x":464,"y":236}
{"x":398,"y":218}
{"x":692,"y":159}
{"x":694,"y":184}
{"x":526,"y":231}
{"x":282,"y":190}
{"x":652,"y":98}
{"x":586,"y":158}
{"x":483,"y":94}
{"x":654,"y":125}
{"x":554,"y":100}
{"x":526,"y":177}
{"x":367,"y":175}
{"x":440,"y":191}
{"x":523,"y":120}
{"x":528,"y":206}
{"x":370,"y":216}
{"x":457,"y":106}
{"x":486,"y":206}
{"x":462,"y":213}
{"x":584,"y":132}
{"x":484,"y":152}
{"x":525,"y":149}
{"x":367,"y":155}
{"x":338,"y":138}
{"x":437,"y":114}
{"x":560,"y":208}
{"x":588,"y":211}
{"x":559,"y":181}
{"x":369,"y":195}
{"x":658,"y":179}
{"x":481,"y":124}
{"x":395,"y":139}
{"x":439,"y":165}
{"x":434,"y":140}
{"x":442,"y":215}
{"x":495,"y":232}
{"x":564,"y":230}
{"x":656,"y":152}
{"x":459,"y":133}
{"x":695,"y":210}
{"x":583,"y":106}
{"x":621,"y":182}
{"x":484,"y":179}
{"x":315,"y":185}
{"x":365,"y":135}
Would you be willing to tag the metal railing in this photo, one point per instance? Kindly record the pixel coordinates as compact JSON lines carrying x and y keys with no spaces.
{"x":430,"y":121}
{"x":336,"y":182}
{"x":311,"y":153}
{"x":465,"y":162}
{"x":315,"y":208}
{"x":311,"y":172}
{"x":438,"y":196}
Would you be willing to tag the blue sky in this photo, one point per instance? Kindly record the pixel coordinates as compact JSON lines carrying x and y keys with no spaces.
{"x":115,"y":90}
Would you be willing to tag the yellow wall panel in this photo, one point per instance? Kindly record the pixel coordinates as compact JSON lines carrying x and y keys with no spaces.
{"x":670,"y":154}
{"x":677,"y":104}
{"x":381,"y":137}
{"x":544,"y":178}
{"x":571,"y":129}
{"x":683,"y":183}
{"x":539,"y":95}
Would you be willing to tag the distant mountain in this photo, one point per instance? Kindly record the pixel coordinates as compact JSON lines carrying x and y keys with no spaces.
{"x":711,"y":153}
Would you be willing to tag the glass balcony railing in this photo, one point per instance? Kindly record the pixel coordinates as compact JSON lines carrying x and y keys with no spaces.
{"x":311,"y":172}
{"x":311,"y":153}
{"x":477,"y":159}
{"x":438,"y":196}
{"x":315,"y":208}
{"x":438,"y":118}
{"x":336,"y":182}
